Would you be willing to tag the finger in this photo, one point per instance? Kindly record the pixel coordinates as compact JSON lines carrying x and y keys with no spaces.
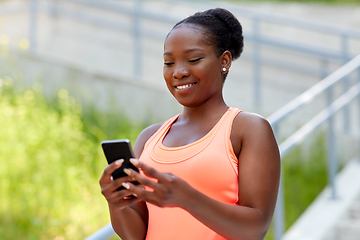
{"x":113,"y":186}
{"x":121,"y":197}
{"x":135,"y":176}
{"x":148,"y":171}
{"x":143,"y":194}
{"x":106,"y":176}
{"x":135,"y":190}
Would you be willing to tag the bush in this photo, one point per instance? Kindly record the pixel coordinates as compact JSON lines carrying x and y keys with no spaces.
{"x":51,"y":161}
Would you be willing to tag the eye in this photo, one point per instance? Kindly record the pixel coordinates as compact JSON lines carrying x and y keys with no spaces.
{"x":168,"y":63}
{"x":195,"y":60}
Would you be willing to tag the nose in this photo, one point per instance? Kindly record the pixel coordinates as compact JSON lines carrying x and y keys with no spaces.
{"x":181,"y":71}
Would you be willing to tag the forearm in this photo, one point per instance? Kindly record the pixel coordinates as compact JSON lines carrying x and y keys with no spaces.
{"x":128,"y":224}
{"x":230,"y":221}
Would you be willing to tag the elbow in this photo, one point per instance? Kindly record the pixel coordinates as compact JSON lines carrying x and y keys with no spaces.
{"x":258,"y":229}
{"x":256,"y":234}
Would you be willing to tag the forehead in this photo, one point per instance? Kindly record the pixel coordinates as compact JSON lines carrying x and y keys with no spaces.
{"x":185,"y":36}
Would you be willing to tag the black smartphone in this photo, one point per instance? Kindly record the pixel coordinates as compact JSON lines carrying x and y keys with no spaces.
{"x":119,"y":149}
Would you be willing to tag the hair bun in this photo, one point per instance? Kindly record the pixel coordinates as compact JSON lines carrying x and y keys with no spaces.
{"x":234,"y":29}
{"x":221,"y":28}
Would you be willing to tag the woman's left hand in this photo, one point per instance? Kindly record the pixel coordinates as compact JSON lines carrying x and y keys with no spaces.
{"x":166,"y":190}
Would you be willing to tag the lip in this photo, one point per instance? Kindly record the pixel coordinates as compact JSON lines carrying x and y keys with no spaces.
{"x":184,"y":86}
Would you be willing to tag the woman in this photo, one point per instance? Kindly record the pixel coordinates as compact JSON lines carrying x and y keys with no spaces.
{"x":211,"y":172}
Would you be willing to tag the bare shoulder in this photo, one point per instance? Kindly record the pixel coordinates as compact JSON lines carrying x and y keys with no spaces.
{"x":251,"y":118}
{"x":256,"y":136}
{"x":246,"y":123}
{"x":144,"y":136}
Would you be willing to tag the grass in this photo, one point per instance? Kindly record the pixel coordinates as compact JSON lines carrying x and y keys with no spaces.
{"x":304,"y":172}
{"x":305,"y":176}
{"x":51,"y":161}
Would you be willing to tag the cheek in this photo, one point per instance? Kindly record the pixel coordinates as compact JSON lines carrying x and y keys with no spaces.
{"x":204,"y":71}
{"x":167,"y":73}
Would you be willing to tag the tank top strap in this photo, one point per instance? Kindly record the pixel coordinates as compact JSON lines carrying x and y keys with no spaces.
{"x":228,"y":121}
{"x":225,"y":134}
{"x":162,"y":129}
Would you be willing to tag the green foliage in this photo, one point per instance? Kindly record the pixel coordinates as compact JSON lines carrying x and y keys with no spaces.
{"x":305,"y":176}
{"x":51,"y":161}
{"x":304,"y":173}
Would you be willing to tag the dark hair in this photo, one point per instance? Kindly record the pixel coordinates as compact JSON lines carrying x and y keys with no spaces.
{"x":221,"y":29}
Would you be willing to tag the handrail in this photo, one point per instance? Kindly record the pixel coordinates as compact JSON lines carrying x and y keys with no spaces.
{"x":139,"y":31}
{"x":318,"y":88}
{"x":320,"y":118}
{"x":275,"y":118}
{"x":279,"y":18}
{"x":313,"y":124}
{"x":310,"y":94}
{"x":297,"y":137}
{"x":103,"y":233}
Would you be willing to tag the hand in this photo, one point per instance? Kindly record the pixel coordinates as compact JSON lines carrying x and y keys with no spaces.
{"x":116,"y":198}
{"x":166,"y":190}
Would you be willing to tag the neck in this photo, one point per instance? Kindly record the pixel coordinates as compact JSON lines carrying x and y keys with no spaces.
{"x":204,"y":112}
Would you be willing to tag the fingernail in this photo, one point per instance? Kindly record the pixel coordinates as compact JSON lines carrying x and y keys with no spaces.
{"x":134,"y":161}
{"x":125,"y":185}
{"x":127,"y":171}
{"x":118,"y":162}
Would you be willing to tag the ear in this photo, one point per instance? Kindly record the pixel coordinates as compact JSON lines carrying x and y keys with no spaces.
{"x":226,"y":60}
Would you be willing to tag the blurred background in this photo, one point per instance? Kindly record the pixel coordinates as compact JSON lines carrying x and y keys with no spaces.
{"x":76,"y":72}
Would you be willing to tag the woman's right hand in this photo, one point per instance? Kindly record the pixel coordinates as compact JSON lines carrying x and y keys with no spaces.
{"x":117,"y":199}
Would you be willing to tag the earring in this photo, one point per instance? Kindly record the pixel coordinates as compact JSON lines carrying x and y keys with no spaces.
{"x":224,"y":69}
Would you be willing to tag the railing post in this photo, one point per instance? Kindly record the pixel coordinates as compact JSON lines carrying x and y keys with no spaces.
{"x":256,"y":62}
{"x":138,"y":58}
{"x":279,"y":217}
{"x":331,"y":149}
{"x":346,"y":80}
{"x":33,"y":10}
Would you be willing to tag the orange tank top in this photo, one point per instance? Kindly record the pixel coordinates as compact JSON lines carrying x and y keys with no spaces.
{"x":208,"y":165}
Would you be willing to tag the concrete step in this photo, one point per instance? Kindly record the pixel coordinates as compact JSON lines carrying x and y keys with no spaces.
{"x":327,"y":218}
{"x":348,"y":230}
{"x":354,"y":211}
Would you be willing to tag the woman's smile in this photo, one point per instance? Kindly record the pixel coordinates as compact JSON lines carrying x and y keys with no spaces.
{"x":184,"y":86}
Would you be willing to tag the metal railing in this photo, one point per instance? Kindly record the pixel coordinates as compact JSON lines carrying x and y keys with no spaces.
{"x":324,"y":55}
{"x":103,"y":233}
{"x":325,"y":86}
{"x":256,"y":36}
{"x":289,"y":143}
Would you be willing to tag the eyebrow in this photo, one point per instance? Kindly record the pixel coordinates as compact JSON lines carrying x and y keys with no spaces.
{"x":186,"y":51}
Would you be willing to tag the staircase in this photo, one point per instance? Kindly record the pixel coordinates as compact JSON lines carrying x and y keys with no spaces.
{"x":332,"y":219}
{"x":348,"y":226}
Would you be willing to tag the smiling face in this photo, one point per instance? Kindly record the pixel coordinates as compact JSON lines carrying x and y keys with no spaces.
{"x":192,"y":71}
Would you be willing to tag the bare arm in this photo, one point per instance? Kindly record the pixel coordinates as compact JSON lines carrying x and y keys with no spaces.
{"x":259,"y":170}
{"x":129,"y":216}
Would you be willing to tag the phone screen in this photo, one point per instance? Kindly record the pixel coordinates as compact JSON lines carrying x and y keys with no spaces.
{"x":119,"y":149}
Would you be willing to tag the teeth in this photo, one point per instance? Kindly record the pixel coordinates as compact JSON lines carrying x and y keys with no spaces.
{"x":184,"y":86}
